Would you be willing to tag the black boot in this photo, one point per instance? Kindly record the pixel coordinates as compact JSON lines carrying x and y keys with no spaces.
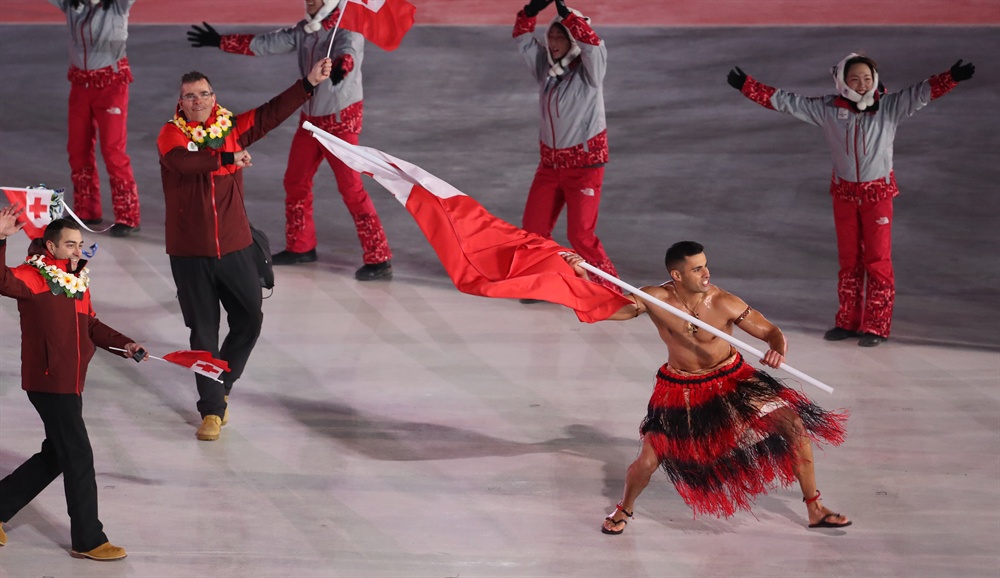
{"x":291,"y":257}
{"x":381,"y":270}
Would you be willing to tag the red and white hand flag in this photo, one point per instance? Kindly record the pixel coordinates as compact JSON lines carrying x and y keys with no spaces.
{"x":482,"y":254}
{"x":41,"y":206}
{"x":381,"y":22}
{"x":200,"y":362}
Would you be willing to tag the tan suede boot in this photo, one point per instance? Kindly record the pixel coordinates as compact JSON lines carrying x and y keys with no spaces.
{"x":3,"y":535}
{"x":225,"y":416}
{"x":210,"y":428}
{"x":104,"y":552}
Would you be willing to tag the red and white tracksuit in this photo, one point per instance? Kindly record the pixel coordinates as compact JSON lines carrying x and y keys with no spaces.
{"x":573,"y":139}
{"x":862,"y":187}
{"x":99,"y":74}
{"x":337,"y":109}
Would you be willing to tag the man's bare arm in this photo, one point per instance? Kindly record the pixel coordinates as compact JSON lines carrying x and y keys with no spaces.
{"x":751,"y":321}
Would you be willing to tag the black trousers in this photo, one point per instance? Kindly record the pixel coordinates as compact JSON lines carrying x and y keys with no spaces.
{"x":202,"y":284}
{"x":66,"y":450}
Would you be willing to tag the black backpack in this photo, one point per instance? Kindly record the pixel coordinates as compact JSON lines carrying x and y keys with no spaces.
{"x":262,"y":256}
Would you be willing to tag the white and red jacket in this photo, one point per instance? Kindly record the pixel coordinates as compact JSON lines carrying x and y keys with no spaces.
{"x":59,"y":334}
{"x":573,"y":131}
{"x":337,"y":107}
{"x":97,"y":42}
{"x":860,"y":142}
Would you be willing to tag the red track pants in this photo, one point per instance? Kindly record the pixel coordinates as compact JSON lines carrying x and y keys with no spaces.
{"x":864,"y":246}
{"x":579,"y":190}
{"x":103,"y":110}
{"x":300,"y":230}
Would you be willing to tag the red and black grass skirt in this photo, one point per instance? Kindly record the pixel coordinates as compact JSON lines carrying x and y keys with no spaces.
{"x":727,"y":436}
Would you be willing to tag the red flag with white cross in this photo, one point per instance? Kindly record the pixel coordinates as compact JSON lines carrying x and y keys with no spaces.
{"x":384,"y":23}
{"x":200,"y":362}
{"x":41,"y":207}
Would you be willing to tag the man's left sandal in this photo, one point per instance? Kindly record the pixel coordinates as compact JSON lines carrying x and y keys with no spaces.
{"x":824,"y":521}
{"x":614,"y":522}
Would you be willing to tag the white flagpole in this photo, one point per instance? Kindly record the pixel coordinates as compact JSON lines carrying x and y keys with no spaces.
{"x":336,"y":26}
{"x":695,"y":321}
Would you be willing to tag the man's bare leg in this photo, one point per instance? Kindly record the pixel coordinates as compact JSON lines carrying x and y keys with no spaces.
{"x":636,"y":481}
{"x":806,"y":474}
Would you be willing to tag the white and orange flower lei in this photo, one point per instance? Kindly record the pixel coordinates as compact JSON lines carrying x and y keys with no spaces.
{"x":214,"y":135}
{"x":60,"y":281}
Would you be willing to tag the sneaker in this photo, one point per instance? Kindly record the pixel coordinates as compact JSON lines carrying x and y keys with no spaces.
{"x":839,"y":334}
{"x":120,"y":230}
{"x":381,"y":270}
{"x":105,"y":552}
{"x":3,"y":535}
{"x":871,"y":340}
{"x":210,"y":428}
{"x":291,"y":257}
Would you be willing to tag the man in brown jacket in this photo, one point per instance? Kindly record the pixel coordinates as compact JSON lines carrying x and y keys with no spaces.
{"x":202,"y":157}
{"x":59,"y":334}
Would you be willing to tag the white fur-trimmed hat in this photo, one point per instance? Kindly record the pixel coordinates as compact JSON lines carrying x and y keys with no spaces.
{"x":316,"y":22}
{"x":559,"y":68}
{"x":862,"y":101}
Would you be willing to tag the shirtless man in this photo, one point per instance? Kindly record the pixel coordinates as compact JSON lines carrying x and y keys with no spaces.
{"x":723,"y":431}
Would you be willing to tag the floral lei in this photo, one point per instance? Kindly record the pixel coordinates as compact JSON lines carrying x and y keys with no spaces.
{"x":60,"y":281}
{"x":214,"y":135}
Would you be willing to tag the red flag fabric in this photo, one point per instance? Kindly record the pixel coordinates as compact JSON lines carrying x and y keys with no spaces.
{"x":381,"y":22}
{"x":40,"y":208}
{"x":482,"y":254}
{"x":200,"y":362}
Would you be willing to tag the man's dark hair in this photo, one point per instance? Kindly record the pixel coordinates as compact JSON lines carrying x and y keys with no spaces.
{"x":859,"y":60}
{"x":53,"y":232}
{"x":195,"y":76}
{"x":680,"y":251}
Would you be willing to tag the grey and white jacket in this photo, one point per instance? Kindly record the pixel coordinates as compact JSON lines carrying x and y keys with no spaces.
{"x":573,"y":129}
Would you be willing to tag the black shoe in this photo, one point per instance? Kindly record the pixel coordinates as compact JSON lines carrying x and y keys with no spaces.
{"x":120,"y":230}
{"x":530,"y":301}
{"x":839,"y":334}
{"x":381,"y":270}
{"x":291,"y":257}
{"x":96,"y":221}
{"x":871,"y":340}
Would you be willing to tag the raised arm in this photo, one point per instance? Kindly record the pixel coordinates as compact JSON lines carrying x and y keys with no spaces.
{"x":593,"y":52}
{"x":804,"y":108}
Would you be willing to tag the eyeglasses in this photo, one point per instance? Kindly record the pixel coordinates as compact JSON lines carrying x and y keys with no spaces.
{"x":191,"y":97}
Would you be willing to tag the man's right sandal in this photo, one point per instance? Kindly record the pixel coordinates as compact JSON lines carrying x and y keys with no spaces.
{"x":614,"y":522}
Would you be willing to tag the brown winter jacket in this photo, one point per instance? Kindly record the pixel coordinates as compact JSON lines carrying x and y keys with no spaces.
{"x":59,"y":334}
{"x":206,"y":216}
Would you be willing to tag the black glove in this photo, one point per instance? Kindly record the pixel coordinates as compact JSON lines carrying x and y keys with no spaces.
{"x":207,"y":37}
{"x":532,"y":8}
{"x":337,"y":74}
{"x":737,"y":78}
{"x":74,"y":4}
{"x":107,"y":3}
{"x":961,"y":71}
{"x":562,"y":9}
